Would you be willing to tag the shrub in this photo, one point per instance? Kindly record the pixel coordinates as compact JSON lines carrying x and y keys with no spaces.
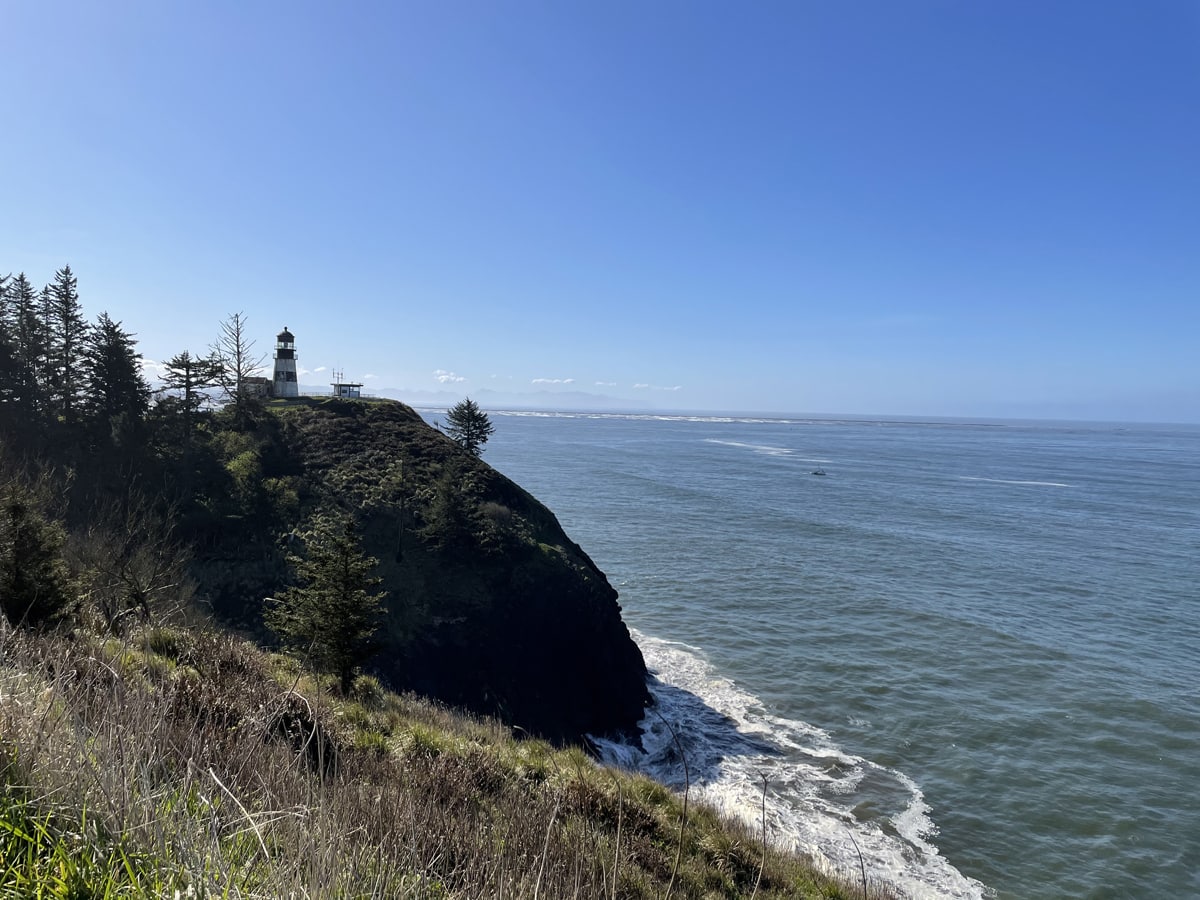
{"x":368,"y":691}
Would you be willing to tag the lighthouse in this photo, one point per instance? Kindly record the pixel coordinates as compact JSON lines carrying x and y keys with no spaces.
{"x":285,"y":384}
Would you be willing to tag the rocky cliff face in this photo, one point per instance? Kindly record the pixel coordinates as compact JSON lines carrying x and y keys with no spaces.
{"x":491,"y":606}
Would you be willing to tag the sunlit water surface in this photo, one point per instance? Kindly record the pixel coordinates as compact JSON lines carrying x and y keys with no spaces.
{"x":969,"y":651}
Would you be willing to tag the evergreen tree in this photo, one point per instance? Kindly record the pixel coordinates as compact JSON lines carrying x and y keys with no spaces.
{"x":190,"y":377}
{"x":34,"y":584}
{"x":66,"y":332}
{"x":28,"y":332}
{"x":117,"y":395}
{"x":8,"y":354}
{"x":469,"y":426}
{"x":447,"y":517}
{"x":332,"y":615}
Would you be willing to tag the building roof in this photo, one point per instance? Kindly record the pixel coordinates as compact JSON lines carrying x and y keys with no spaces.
{"x":285,"y":336}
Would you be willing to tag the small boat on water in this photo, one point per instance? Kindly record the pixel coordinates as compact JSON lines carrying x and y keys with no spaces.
{"x":818,"y":471}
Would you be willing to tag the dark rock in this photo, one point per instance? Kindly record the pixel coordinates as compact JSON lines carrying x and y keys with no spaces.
{"x":502,"y":613}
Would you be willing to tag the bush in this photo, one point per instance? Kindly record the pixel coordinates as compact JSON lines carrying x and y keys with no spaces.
{"x":368,"y":691}
{"x":35,"y":587}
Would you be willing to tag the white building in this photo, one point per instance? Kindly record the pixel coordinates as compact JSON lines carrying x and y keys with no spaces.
{"x":284,"y":383}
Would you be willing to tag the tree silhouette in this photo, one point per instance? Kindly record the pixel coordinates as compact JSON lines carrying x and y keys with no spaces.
{"x":66,"y":330}
{"x":469,"y":426}
{"x":189,"y":377}
{"x":234,"y":349}
{"x":8,"y":353}
{"x":28,"y":334}
{"x":116,"y":396}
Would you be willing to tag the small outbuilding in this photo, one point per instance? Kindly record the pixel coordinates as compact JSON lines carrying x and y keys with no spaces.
{"x":255,"y":386}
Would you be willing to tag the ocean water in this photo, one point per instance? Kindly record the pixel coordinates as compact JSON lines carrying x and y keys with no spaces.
{"x":968,"y":652}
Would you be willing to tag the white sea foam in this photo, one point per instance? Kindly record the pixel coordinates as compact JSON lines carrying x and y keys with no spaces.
{"x":766,"y":449}
{"x":659,"y":417}
{"x":757,"y":448}
{"x":634,"y":417}
{"x":812,"y":786}
{"x":1009,"y":481}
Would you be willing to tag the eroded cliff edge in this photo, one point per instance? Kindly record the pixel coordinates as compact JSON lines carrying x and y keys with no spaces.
{"x":491,"y":606}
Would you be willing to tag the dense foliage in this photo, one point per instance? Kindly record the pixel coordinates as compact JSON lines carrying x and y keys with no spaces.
{"x":469,"y":426}
{"x":65,"y":384}
{"x":201,"y":496}
{"x":332,"y":616}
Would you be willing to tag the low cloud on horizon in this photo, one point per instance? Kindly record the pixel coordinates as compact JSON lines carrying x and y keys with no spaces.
{"x":152,"y":368}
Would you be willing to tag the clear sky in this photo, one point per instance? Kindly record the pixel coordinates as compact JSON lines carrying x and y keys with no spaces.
{"x":926,"y":207}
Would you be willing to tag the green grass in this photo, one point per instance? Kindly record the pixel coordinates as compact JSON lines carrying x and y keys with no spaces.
{"x":187,"y":760}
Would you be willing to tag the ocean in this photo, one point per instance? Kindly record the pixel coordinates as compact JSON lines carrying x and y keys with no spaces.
{"x":968,"y":653}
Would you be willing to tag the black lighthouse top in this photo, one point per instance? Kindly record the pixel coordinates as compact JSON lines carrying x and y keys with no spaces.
{"x":285,"y":348}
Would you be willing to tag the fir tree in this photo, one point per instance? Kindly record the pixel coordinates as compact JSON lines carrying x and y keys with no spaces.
{"x":447,"y":517}
{"x":29,"y":338}
{"x":117,"y":395}
{"x":190,"y":377}
{"x":66,"y":331}
{"x":469,"y":426}
{"x":34,"y":583}
{"x":332,"y":615}
{"x":8,"y":354}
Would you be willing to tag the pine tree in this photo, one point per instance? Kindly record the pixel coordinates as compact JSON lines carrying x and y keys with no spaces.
{"x":469,"y":426}
{"x":332,"y":615}
{"x":116,"y":394}
{"x":447,"y":521}
{"x":34,"y":583}
{"x":66,"y":332}
{"x":190,"y":377}
{"x":29,"y":337}
{"x":8,"y":355}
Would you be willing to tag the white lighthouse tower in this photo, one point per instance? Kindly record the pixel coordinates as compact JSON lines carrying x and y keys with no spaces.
{"x":285,"y":383}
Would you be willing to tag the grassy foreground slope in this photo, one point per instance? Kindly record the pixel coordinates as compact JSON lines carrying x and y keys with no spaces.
{"x":187,"y":762}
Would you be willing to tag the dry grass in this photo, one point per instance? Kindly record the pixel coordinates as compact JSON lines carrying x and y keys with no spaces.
{"x":188,"y":761}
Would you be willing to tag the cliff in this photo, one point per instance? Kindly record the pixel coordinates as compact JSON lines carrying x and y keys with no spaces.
{"x":490,"y":606}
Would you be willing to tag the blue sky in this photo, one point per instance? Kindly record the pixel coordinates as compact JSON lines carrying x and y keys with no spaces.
{"x":926,"y":208}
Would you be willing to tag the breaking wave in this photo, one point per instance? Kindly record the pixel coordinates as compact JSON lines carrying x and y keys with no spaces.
{"x":820,"y":800}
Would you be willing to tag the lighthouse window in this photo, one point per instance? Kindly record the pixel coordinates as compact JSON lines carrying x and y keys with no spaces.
{"x":291,"y":376}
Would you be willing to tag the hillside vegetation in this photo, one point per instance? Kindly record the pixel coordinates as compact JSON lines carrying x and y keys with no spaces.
{"x":492,"y":606}
{"x":155,"y":740}
{"x":186,"y":762}
{"x":121,"y":504}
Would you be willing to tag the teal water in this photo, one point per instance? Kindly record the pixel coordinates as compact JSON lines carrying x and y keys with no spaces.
{"x":970,"y":651}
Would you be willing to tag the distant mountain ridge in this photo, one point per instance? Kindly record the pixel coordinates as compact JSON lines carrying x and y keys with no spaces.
{"x":493,"y":399}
